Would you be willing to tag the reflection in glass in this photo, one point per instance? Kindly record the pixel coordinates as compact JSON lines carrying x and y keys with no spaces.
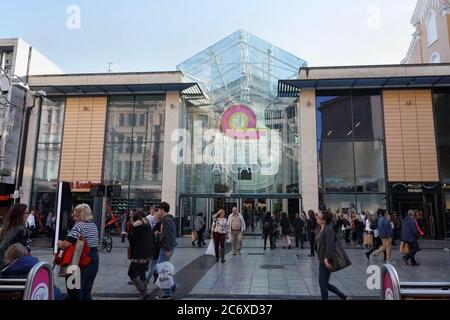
{"x":334,"y":118}
{"x":341,"y":202}
{"x":369,"y":163}
{"x":371,"y":202}
{"x":134,"y":149}
{"x":47,"y":162}
{"x":442,"y":120}
{"x":367,"y":117}
{"x":337,"y":166}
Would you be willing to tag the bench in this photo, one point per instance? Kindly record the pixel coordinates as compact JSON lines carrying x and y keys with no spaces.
{"x":37,"y":286}
{"x":393,"y":289}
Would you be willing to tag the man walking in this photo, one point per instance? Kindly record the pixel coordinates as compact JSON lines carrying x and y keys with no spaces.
{"x":236,"y":225}
{"x":385,"y":233}
{"x":167,"y":242}
{"x":299,"y":225}
{"x":410,"y":235}
{"x":199,"y":225}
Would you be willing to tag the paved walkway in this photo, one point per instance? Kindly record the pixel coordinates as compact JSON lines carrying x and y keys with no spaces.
{"x":274,"y":274}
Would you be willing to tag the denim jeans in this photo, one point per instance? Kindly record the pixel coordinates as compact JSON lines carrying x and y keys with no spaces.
{"x":151,"y":269}
{"x":324,"y":283}
{"x":88,"y":275}
{"x":163,"y":258}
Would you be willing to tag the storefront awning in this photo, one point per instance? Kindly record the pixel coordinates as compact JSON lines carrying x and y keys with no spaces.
{"x":188,"y":90}
{"x":290,"y":88}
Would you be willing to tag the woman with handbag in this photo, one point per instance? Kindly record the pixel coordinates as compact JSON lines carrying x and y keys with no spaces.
{"x":141,"y":241}
{"x":83,"y":230}
{"x":285,"y":230}
{"x":326,"y":251}
{"x":220,"y":230}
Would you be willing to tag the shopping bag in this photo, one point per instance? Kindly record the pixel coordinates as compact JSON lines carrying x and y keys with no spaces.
{"x":210,"y":250}
{"x":229,"y":237}
{"x":404,"y":248}
{"x":341,"y":260}
{"x":368,"y":239}
{"x":165,"y":275}
{"x":194,"y":235}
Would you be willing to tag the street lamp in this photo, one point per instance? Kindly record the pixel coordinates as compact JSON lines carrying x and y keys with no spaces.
{"x":28,"y":106}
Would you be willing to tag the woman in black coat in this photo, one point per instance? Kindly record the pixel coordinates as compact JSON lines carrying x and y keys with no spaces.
{"x":285,"y":230}
{"x":141,"y":239}
{"x":267,"y":230}
{"x":311,"y":226}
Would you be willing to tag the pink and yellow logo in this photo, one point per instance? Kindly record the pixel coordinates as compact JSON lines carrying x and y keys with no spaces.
{"x":239,"y":121}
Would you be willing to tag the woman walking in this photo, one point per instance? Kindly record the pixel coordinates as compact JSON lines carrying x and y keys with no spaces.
{"x":141,"y":239}
{"x":268,"y":229}
{"x":285,"y":230}
{"x":14,"y":230}
{"x":84,"y":229}
{"x":326,"y":253}
{"x":220,"y":230}
{"x":311,"y":226}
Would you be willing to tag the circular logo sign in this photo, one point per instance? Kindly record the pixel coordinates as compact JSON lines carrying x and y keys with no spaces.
{"x":41,"y":292}
{"x":238,"y":117}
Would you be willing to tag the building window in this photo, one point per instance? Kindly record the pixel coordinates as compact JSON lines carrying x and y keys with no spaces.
{"x":435,"y":58}
{"x":49,"y":116}
{"x":432,"y":33}
{"x":121,"y":120}
{"x":130,"y":119}
{"x":141,"y":120}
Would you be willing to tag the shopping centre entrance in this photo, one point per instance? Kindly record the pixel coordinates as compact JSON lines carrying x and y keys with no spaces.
{"x":252,"y":207}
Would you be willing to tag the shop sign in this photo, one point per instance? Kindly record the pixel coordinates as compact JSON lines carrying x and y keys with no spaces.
{"x":414,"y":187}
{"x":82,"y":186}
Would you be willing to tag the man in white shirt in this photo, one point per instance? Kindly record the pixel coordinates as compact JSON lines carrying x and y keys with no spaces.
{"x":31,"y":222}
{"x":151,"y":217}
{"x":236,"y":227}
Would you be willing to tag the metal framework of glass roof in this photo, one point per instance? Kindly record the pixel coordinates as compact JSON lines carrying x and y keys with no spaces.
{"x":238,"y":69}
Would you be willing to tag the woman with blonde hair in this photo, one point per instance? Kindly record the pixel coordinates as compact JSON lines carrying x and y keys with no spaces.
{"x":85,"y":229}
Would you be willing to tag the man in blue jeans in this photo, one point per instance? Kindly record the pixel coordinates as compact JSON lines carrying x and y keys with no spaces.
{"x":167,"y":242}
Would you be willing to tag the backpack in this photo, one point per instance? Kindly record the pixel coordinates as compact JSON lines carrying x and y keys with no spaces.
{"x":267,"y":225}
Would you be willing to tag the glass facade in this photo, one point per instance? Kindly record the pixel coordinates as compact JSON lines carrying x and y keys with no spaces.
{"x":442,"y":120}
{"x":134,"y":149}
{"x":351,"y":150}
{"x":48,"y":153}
{"x":241,"y":140}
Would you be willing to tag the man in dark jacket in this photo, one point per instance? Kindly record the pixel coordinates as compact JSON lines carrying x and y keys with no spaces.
{"x":410,"y":235}
{"x":298,"y":229}
{"x":167,"y":243}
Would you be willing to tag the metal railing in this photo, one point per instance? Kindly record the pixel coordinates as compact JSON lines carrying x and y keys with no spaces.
{"x":393,"y":289}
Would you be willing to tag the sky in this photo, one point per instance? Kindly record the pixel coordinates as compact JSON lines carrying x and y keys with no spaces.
{"x":156,"y":35}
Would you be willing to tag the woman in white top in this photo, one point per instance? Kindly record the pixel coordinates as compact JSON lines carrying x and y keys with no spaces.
{"x":219,"y":234}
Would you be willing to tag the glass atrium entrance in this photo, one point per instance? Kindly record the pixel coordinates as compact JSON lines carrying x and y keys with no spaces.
{"x":240,"y":141}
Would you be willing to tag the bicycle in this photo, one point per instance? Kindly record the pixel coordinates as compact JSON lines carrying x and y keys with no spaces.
{"x":107,"y":242}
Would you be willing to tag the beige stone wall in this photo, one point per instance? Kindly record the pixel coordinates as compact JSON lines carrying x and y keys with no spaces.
{"x":410,"y":136}
{"x":83,"y":139}
{"x":170,"y":168}
{"x":308,"y":150}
